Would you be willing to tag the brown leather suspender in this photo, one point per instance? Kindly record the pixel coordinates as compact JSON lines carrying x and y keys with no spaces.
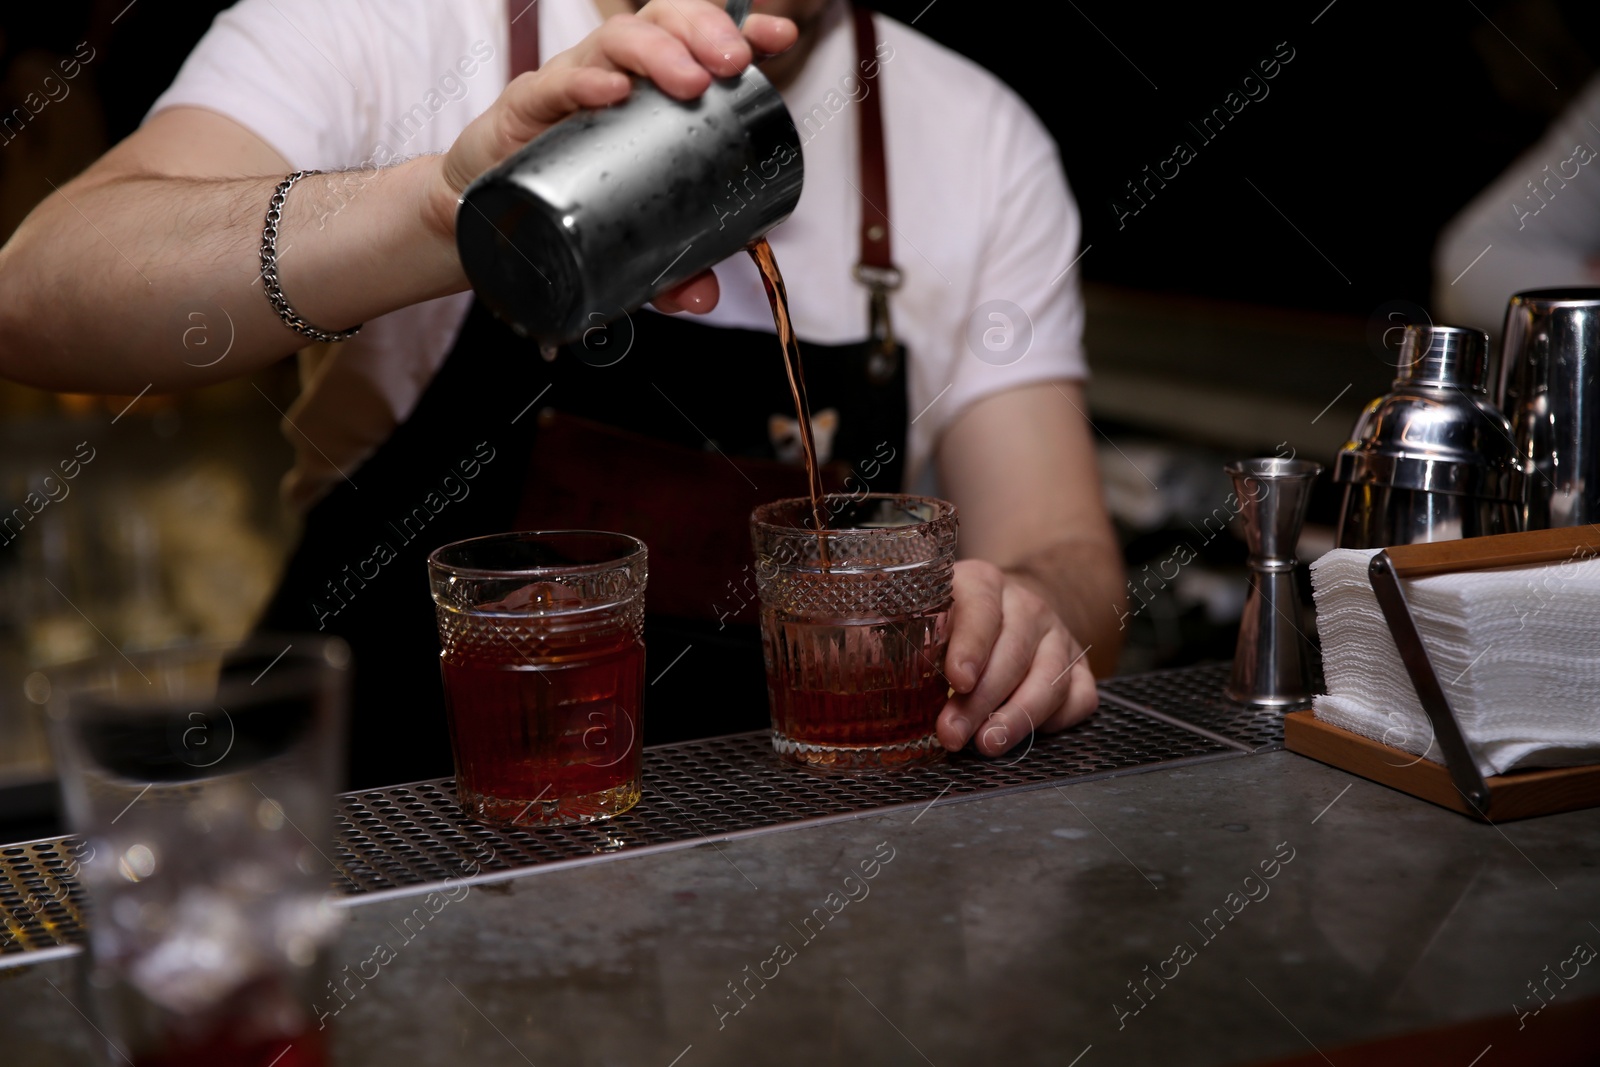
{"x":875,"y":268}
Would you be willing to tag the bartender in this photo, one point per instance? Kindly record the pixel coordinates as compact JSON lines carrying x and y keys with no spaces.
{"x":930,"y":268}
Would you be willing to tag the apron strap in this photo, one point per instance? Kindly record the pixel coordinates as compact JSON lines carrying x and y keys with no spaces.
{"x":875,"y":256}
{"x":875,"y":269}
{"x":524,"y":15}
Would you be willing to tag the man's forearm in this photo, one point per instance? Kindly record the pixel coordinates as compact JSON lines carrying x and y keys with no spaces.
{"x":104,"y":284}
{"x":1083,"y":581}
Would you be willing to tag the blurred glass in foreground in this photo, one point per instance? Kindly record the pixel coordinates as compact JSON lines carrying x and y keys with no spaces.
{"x":202,"y":778}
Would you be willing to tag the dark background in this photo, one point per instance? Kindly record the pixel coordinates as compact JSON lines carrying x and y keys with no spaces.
{"x":1388,"y":119}
{"x":1391,"y":116}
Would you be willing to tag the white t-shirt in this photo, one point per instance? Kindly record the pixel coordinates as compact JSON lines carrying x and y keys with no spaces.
{"x":979,"y":204}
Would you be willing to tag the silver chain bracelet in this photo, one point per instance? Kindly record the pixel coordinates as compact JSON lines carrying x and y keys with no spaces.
{"x":269,"y":268}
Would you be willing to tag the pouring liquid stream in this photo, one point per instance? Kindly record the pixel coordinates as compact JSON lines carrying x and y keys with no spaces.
{"x":772,"y":280}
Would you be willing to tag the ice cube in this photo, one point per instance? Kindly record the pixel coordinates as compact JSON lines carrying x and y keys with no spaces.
{"x":208,"y":953}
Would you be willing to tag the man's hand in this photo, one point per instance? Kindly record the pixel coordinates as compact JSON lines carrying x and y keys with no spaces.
{"x":1014,"y":666}
{"x":680,"y":45}
{"x":1038,"y":597}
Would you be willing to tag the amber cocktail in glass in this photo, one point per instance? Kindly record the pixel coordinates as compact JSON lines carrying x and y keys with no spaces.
{"x":542,"y":652}
{"x":854,"y":627}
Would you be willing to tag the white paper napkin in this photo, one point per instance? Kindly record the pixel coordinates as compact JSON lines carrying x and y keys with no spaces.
{"x":1517,"y":651}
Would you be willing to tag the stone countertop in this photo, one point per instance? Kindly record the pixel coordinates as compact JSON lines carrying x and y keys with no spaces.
{"x":1002,"y":929}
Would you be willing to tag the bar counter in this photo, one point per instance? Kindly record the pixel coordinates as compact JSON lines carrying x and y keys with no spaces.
{"x":1238,"y":904}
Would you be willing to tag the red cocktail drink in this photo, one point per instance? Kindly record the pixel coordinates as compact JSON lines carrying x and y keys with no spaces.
{"x":543,"y":664}
{"x":854,"y":625}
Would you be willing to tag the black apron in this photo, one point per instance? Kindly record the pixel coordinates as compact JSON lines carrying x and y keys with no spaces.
{"x":657,"y":426}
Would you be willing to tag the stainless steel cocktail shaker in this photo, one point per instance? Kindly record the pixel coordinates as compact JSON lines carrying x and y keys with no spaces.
{"x":1550,"y":389}
{"x":611,"y":207}
{"x":1433,"y":460}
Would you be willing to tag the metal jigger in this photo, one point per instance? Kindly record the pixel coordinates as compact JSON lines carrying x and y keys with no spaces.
{"x":1272,"y":666}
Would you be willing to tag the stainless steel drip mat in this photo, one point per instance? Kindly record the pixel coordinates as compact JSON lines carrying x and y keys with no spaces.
{"x":405,"y":837}
{"x":41,"y":900}
{"x":1192,"y":697}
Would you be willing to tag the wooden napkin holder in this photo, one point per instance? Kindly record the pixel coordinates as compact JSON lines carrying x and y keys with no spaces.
{"x":1456,"y":784}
